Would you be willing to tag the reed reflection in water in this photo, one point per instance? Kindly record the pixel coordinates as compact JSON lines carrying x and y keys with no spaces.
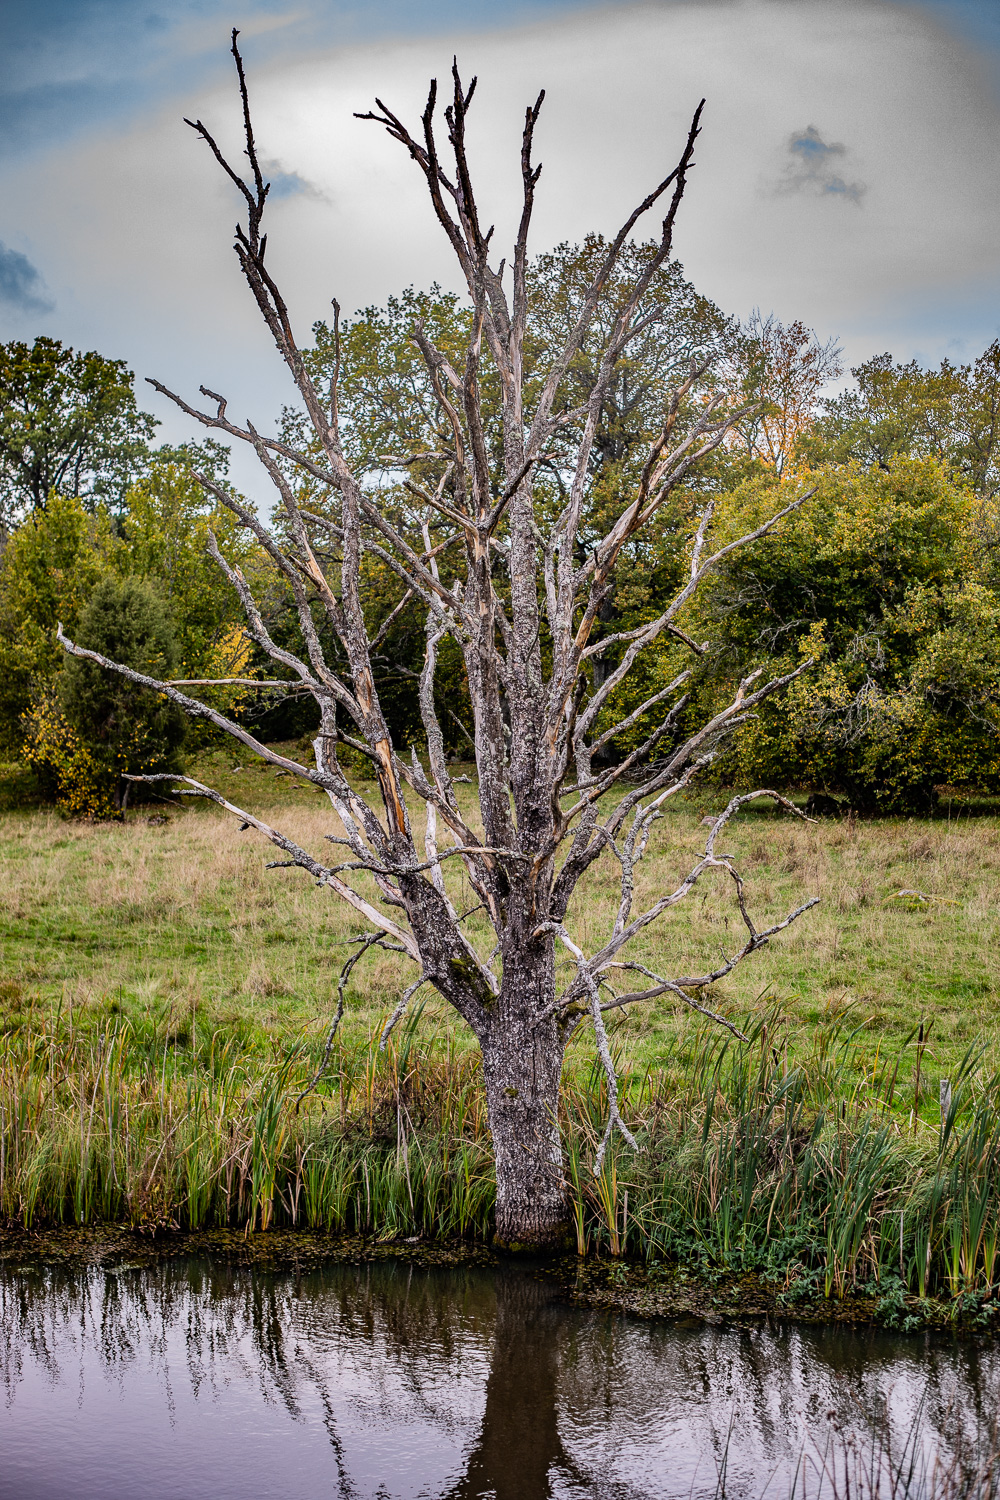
{"x":192,"y":1380}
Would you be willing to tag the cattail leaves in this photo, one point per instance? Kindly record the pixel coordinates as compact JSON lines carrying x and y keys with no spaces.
{"x":803,"y":1171}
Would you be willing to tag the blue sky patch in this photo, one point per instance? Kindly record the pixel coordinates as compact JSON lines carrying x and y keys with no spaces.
{"x":21,"y":286}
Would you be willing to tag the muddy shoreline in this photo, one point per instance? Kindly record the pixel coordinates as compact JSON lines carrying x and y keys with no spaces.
{"x":673,"y":1292}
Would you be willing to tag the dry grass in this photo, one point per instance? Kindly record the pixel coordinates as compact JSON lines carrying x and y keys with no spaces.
{"x":181,"y":921}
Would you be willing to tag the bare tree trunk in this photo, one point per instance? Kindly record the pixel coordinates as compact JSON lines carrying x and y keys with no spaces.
{"x":522,"y":1067}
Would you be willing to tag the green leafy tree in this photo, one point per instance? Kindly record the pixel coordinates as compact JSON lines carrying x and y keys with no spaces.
{"x":126,"y":729}
{"x":677,"y":329}
{"x":783,"y":367}
{"x":951,"y":413}
{"x":165,"y":535}
{"x":55,"y":558}
{"x":874,"y":579}
{"x":69,"y":424}
{"x":385,"y":393}
{"x":48,"y":571}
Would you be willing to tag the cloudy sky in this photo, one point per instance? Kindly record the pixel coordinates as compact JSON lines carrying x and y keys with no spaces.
{"x":846,"y":173}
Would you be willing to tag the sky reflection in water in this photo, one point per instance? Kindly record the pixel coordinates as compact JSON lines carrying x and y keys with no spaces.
{"x":193,"y":1380}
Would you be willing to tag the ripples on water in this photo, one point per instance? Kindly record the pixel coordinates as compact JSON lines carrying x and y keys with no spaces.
{"x":195,"y":1382}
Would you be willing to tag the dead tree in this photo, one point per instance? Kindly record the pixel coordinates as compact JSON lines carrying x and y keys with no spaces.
{"x":522,"y":608}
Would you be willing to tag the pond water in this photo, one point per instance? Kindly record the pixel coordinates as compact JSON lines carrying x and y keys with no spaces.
{"x":194,"y":1381}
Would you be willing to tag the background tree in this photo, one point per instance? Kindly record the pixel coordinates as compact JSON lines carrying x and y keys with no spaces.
{"x":903,"y":410}
{"x":165,"y":535}
{"x":69,"y":424}
{"x":48,"y":571}
{"x":784,"y":368}
{"x":55,"y":558}
{"x":126,"y":728}
{"x":880,"y":575}
{"x":521,"y":610}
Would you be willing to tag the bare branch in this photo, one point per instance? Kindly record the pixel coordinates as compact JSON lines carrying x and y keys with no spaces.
{"x":197,"y":710}
{"x":367,"y":940}
{"x":322,"y":874}
{"x":251,"y":682}
{"x":397,"y":1014}
{"x":623,"y":933}
{"x":586,"y":975}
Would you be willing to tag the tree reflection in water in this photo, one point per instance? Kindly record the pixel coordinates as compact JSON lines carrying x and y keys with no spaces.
{"x":388,"y":1381}
{"x":518,"y":1449}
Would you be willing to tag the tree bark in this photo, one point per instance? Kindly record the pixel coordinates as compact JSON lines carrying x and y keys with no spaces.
{"x":522,"y":1067}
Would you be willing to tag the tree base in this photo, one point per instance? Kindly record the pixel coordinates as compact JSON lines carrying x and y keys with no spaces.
{"x":553,"y":1239}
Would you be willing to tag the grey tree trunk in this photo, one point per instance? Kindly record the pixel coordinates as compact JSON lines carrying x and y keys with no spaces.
{"x":522,"y":1069}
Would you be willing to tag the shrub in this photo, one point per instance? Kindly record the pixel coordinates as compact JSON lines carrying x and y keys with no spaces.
{"x":882,"y":580}
{"x":65,"y":767}
{"x":110,"y":727}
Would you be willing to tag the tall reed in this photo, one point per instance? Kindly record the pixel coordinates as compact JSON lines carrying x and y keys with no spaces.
{"x":811,"y":1173}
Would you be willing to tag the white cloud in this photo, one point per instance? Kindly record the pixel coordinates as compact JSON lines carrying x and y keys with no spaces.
{"x":137,"y":228}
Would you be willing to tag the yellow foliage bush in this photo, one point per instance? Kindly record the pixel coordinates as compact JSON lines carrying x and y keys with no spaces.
{"x":64,"y":764}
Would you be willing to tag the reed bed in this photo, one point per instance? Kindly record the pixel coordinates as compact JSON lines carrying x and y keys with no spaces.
{"x":819,"y":1174}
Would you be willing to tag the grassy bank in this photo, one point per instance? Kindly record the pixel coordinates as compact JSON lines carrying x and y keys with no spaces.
{"x":802,"y":1173}
{"x":164,"y":999}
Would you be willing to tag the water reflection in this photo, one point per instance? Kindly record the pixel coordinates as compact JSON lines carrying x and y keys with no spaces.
{"x":192,"y":1380}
